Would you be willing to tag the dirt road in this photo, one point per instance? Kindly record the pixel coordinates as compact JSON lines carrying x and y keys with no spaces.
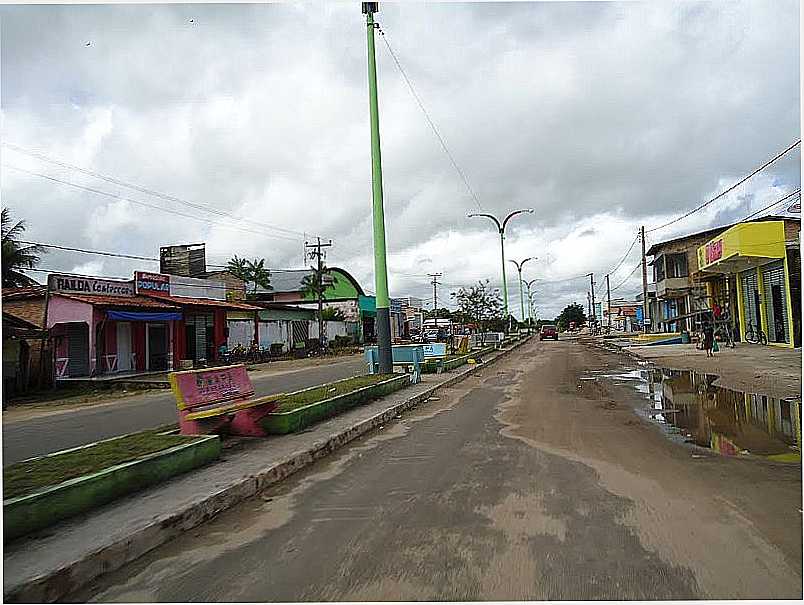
{"x":524,"y":482}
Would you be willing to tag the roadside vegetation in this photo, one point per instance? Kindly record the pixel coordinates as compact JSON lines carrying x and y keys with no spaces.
{"x":26,"y":477}
{"x":326,"y":391}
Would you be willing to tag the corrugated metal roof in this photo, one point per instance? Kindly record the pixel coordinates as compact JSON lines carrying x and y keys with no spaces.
{"x":118,"y":301}
{"x":206,"y":302}
{"x":23,"y":293}
{"x":285,"y":281}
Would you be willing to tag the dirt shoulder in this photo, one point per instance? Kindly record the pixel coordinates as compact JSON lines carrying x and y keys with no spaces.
{"x":758,"y":369}
{"x":735,"y":523}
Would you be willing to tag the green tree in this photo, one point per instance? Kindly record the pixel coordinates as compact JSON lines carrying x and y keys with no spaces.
{"x":332,"y":314}
{"x":315,"y":285}
{"x":481,"y":304}
{"x":571,"y":313}
{"x":15,"y":255}
{"x":251,"y":272}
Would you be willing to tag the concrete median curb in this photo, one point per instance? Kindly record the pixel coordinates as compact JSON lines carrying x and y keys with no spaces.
{"x":57,"y":583}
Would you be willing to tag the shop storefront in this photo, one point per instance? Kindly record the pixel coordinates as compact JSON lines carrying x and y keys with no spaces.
{"x":755,"y":256}
{"x":95,"y":334}
{"x":241,"y":328}
{"x":207,"y":317}
{"x":284,"y":325}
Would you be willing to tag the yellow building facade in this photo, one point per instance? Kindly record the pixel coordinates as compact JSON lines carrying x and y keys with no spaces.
{"x":756,"y":254}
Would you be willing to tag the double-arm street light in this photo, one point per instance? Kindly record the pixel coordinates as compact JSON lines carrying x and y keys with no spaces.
{"x":501,"y":230}
{"x":519,"y":270}
{"x":528,"y":284}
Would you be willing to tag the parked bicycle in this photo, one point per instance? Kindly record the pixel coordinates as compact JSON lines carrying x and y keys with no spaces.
{"x":754,"y":334}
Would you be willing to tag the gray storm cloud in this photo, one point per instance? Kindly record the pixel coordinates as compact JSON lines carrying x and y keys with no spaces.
{"x":600,"y":116}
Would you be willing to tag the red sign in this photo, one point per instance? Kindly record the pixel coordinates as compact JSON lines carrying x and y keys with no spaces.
{"x":155,"y":284}
{"x":210,"y":386}
{"x":714,"y":251}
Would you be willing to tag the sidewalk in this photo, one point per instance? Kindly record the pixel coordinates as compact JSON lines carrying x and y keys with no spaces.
{"x":47,"y":566}
{"x":767,"y":370}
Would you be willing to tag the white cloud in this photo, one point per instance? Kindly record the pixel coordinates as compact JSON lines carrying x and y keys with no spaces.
{"x":601,"y":116}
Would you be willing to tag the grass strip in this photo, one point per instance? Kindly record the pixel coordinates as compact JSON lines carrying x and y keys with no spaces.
{"x":294,"y":401}
{"x":24,"y":478}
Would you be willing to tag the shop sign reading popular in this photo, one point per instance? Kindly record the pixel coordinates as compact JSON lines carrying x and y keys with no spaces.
{"x":89,"y":285}
{"x":155,"y":284}
{"x":714,"y":251}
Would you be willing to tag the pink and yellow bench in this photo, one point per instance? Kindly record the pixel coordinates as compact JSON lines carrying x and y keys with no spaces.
{"x":218,"y":400}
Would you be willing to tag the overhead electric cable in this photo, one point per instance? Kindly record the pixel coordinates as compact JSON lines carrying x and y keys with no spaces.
{"x":148,"y":191}
{"x":625,"y":257}
{"x":734,"y":186}
{"x":627,"y":278}
{"x":429,"y":120}
{"x":776,"y":203}
{"x":147,"y":205}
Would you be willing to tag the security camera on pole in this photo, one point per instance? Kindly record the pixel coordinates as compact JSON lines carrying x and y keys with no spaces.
{"x":501,"y":230}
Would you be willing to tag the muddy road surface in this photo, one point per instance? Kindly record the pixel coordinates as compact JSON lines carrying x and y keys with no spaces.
{"x":522,"y":483}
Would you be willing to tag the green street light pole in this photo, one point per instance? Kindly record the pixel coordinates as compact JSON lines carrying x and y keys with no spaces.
{"x":519,"y":270}
{"x":530,"y":283}
{"x":501,"y":230}
{"x":383,"y":304}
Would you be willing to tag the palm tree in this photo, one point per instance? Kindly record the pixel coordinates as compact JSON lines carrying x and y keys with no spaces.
{"x":250,"y":271}
{"x":16,"y":256}
{"x":259,"y":274}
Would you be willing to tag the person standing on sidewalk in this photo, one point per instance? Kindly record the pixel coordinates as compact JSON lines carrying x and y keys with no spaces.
{"x":709,"y":339}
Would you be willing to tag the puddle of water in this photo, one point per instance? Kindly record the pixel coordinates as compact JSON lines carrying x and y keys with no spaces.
{"x":732,"y":423}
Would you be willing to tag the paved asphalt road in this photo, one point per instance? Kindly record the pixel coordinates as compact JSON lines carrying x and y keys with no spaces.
{"x":522,"y":483}
{"x":38,"y":436}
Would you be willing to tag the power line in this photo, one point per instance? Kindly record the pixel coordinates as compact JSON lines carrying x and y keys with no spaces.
{"x":639,"y":264}
{"x":738,"y":183}
{"x":777,"y":202}
{"x":429,"y":120}
{"x":146,"y":190}
{"x":130,"y":256}
{"x":631,"y":247}
{"x":147,"y":205}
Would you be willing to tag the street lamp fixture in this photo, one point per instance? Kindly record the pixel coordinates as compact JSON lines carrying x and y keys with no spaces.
{"x":528,"y":285}
{"x":501,"y":229}
{"x":519,"y":270}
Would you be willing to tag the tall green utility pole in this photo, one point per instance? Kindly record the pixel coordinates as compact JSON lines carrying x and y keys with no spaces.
{"x":383,"y":319}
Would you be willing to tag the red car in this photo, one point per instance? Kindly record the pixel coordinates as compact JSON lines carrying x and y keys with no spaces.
{"x":548,"y":331}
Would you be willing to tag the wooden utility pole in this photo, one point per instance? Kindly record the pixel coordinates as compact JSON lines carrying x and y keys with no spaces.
{"x":608,"y":297}
{"x":317,"y":254}
{"x":593,"y":313}
{"x":645,"y":305}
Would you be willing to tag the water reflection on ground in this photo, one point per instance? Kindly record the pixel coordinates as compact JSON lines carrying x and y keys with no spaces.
{"x":729,"y":422}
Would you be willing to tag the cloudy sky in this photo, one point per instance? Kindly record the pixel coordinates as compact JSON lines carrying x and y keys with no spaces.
{"x":599,"y":116}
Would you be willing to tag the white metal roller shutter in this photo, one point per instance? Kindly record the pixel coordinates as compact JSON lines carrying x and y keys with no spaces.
{"x":773,"y":275}
{"x":750,"y":288}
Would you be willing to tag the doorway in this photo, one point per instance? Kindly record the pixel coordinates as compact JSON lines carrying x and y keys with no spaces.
{"x":157,"y":347}
{"x":123,"y":346}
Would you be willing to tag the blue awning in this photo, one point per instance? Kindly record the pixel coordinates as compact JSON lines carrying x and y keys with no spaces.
{"x":142,"y":316}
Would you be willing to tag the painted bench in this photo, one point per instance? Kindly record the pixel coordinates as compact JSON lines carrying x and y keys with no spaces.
{"x":436,"y":352}
{"x":220,"y":399}
{"x":407,"y":357}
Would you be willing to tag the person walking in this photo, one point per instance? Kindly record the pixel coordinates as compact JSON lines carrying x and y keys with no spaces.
{"x":709,"y":339}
